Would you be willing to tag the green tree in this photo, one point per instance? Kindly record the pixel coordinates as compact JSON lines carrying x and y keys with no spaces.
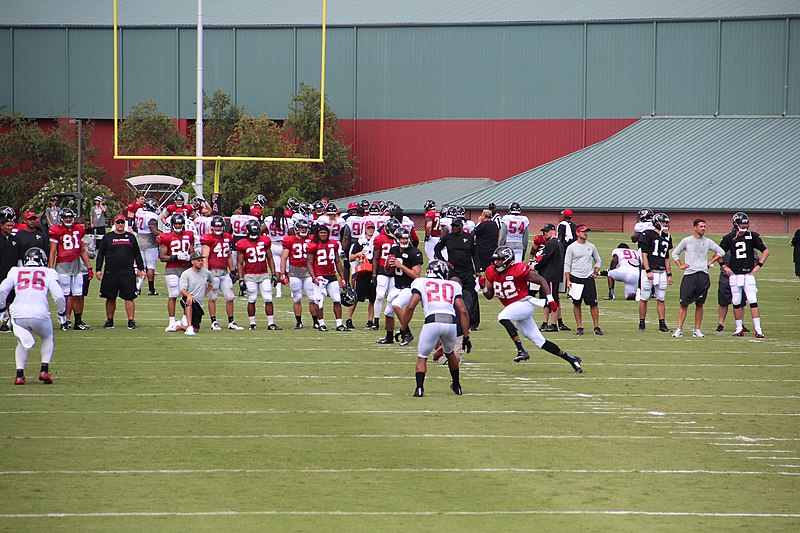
{"x":90,"y":188}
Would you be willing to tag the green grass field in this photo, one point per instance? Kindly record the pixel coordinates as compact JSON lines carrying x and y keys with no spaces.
{"x":307,"y":431}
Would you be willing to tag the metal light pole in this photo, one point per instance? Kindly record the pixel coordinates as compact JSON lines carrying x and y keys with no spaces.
{"x":80,"y":162}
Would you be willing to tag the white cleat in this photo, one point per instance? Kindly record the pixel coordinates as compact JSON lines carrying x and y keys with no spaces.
{"x":190,"y":332}
{"x":678,"y":334}
{"x":215,"y":326}
{"x":235,"y":326}
{"x":697,"y":333}
{"x":172,"y":328}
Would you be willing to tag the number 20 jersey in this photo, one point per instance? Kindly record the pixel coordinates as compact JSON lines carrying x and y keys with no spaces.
{"x":437,"y":295}
{"x":511,"y":285}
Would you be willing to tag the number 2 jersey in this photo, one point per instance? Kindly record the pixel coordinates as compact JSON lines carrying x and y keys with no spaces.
{"x":510,"y":286}
{"x":742,"y":247}
{"x":437,"y":295}
{"x":31,"y":285}
{"x":177,"y":243}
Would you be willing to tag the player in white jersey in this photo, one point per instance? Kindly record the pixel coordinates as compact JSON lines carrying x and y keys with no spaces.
{"x":333,"y":222}
{"x":203,"y":223}
{"x":278,"y":227}
{"x":146,"y":228}
{"x":644,"y":222}
{"x":514,"y":231}
{"x":443,"y":305}
{"x":624,"y":268}
{"x":30,"y":311}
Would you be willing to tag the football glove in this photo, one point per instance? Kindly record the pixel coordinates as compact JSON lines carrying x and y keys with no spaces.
{"x":275,"y":280}
{"x":374,"y":281}
{"x":62,"y":318}
{"x":466,"y":345}
{"x":284,"y":278}
{"x":551,"y":303}
{"x":321,"y":280}
{"x":90,"y":273}
{"x":183,"y":256}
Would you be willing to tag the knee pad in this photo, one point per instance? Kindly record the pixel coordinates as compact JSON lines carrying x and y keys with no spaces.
{"x":739,"y":305}
{"x":753,"y":305}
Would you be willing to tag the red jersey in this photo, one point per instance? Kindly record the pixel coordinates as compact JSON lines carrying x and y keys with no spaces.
{"x":324,"y":256}
{"x":176,"y":243}
{"x":184,"y":210}
{"x":297,"y":247}
{"x":434,"y":217}
{"x":69,"y":240}
{"x":219,"y":250}
{"x":511,"y":285}
{"x":381,"y":246}
{"x":133,"y":207}
{"x":254,"y":254}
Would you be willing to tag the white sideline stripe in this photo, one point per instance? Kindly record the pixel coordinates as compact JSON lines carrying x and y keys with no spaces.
{"x":486,"y":364}
{"x":401,"y":513}
{"x":367,"y":412}
{"x":761,"y":451}
{"x":203,"y":471}
{"x":777,"y":458}
{"x":343,"y":436}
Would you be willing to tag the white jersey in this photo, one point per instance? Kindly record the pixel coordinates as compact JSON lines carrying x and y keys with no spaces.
{"x":239,"y":224}
{"x":446,"y":223}
{"x":407,"y":223}
{"x":437,"y":295}
{"x":203,"y":224}
{"x":31,"y":285}
{"x":627,"y":259}
{"x":276,"y":234}
{"x":301,"y":216}
{"x":334,"y":226}
{"x":379,"y":220}
{"x":516,"y":229}
{"x":469,"y":226}
{"x":641,"y":227}
{"x":356,"y":225}
{"x":144,"y":236}
{"x":192,"y":227}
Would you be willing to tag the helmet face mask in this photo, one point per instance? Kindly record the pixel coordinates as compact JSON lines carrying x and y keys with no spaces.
{"x":403,"y":237}
{"x":437,"y":269}
{"x":514,"y":208}
{"x":348,"y":296}
{"x":741,"y":221}
{"x":503,"y":258}
{"x":293,"y":204}
{"x":645,"y":215}
{"x":319,"y":207}
{"x":65,"y":214}
{"x":429,"y":204}
{"x":260,"y":200}
{"x":35,"y":257}
{"x":301,"y":228}
{"x":217,"y":225}
{"x":391,"y":227}
{"x":661,"y":221}
{"x":151,"y":205}
{"x":331,"y":209}
{"x":177,"y":220}
{"x":374,"y":209}
{"x":179,"y":199}
{"x":253,"y":229}
{"x":305,"y":208}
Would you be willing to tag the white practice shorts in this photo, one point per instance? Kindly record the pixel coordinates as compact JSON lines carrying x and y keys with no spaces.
{"x":25,"y":327}
{"x":628,"y":276}
{"x":743,"y":283}
{"x":397,"y":297}
{"x":433,"y":333}
{"x":258,"y":284}
{"x":173,"y":285}
{"x":299,"y":286}
{"x":659,"y":282}
{"x":331,"y":289}
{"x":429,"y":246}
{"x":221,"y":284}
{"x":150,"y":257}
{"x":521,"y":314}
{"x":71,"y":285}
{"x":518,"y":253}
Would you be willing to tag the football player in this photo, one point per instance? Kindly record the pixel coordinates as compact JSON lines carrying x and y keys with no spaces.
{"x":443,"y":304}
{"x":624,"y":267}
{"x":324,"y":262}
{"x":656,"y":271}
{"x":147,"y":232}
{"x":294,"y":270}
{"x":332,"y":221}
{"x":177,"y":207}
{"x":175,"y":248}
{"x":200,"y":206}
{"x":277,"y":227}
{"x":203,"y":217}
{"x":406,"y":260}
{"x":67,"y":252}
{"x":351,"y":233}
{"x":644,"y":222}
{"x":514,"y":231}
{"x":131,"y":209}
{"x":743,"y":243}
{"x":218,"y":259}
{"x":318,"y":209}
{"x":361,"y":253}
{"x":30,"y":312}
{"x":255,"y":265}
{"x":238,"y":221}
{"x":382,"y":276}
{"x":508,"y":281}
{"x":433,"y":231}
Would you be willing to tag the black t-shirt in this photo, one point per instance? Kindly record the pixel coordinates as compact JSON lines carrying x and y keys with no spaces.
{"x":551,"y":267}
{"x":33,"y":239}
{"x":119,"y":251}
{"x":657,"y":247}
{"x":486,"y":235}
{"x":9,"y":253}
{"x":742,"y":247}
{"x":410,"y":257}
{"x":461,"y":253}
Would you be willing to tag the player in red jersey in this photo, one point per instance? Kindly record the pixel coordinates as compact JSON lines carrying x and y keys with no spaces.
{"x":175,"y":249}
{"x":383,"y":277}
{"x":219,"y":260}
{"x":178,"y":207}
{"x":323,"y":263}
{"x":67,"y":252}
{"x":255,"y":264}
{"x":294,"y":270}
{"x":509,"y":282}
{"x":131,"y":209}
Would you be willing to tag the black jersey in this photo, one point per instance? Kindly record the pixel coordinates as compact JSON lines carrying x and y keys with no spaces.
{"x":410,"y":257}
{"x":742,"y":246}
{"x":657,"y":247}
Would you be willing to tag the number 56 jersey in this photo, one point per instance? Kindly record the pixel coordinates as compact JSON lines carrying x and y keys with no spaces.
{"x":511,"y":285}
{"x":31,"y":286}
{"x":437,"y":295}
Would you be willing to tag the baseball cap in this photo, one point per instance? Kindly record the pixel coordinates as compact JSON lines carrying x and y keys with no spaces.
{"x":197,"y":255}
{"x":369,"y":224}
{"x":548,"y":227}
{"x":256,"y":211}
{"x":583,"y":228}
{"x":352,"y":205}
{"x":30,"y":214}
{"x":458,"y":221}
{"x":567,"y":213}
{"x":119,"y":217}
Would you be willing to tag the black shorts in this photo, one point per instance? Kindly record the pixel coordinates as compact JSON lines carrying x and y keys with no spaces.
{"x":553,"y":290}
{"x":197,"y":312}
{"x":694,"y":288}
{"x":364,"y":289}
{"x":589,"y":295}
{"x":115,"y":284}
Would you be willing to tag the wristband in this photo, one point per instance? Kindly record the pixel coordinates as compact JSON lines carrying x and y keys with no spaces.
{"x":759,"y":263}
{"x":549,"y":298}
{"x":647,"y":270}
{"x":669,"y":274}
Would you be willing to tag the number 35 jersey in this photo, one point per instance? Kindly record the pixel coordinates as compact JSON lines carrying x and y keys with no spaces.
{"x":511,"y":285}
{"x":437,"y":295}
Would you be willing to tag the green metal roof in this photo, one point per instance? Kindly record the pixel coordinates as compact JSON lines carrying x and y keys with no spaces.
{"x":412,"y":197}
{"x":369,"y":13}
{"x":668,"y":164}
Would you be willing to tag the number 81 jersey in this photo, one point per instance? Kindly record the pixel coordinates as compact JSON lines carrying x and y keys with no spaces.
{"x":511,"y":285}
{"x":68,"y":240}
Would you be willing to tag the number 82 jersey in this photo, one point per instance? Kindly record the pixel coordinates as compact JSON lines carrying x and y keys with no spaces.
{"x":511,"y":285}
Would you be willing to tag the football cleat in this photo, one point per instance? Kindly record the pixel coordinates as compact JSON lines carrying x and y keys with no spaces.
{"x":575,"y":362}
{"x":82,"y":326}
{"x":745,"y":329}
{"x":349,"y":324}
{"x":739,"y":333}
{"x":132,"y":324}
{"x":642,"y":327}
{"x":579,"y":331}
{"x":45,"y":378}
{"x":663,"y":328}
{"x":20,"y":380}
{"x":109,"y":324}
{"x":316,"y":325}
{"x":564,"y":327}
{"x":609,"y":297}
{"x":407,"y":338}
{"x":419,"y":392}
{"x":153,"y":293}
{"x":552,"y":328}
{"x":299,"y":325}
{"x":341,"y":328}
{"x":720,"y":328}
{"x":385,"y":341}
{"x":369,"y":325}
{"x":323,"y":327}
{"x":172,"y":328}
{"x":274,"y":327}
{"x":677,"y":334}
{"x":252,"y":327}
{"x":235,"y":326}
{"x":759,"y":335}
{"x":598,"y":331}
{"x":4,"y":328}
{"x":215,"y":326}
{"x":190,"y":331}
{"x":65,"y":326}
{"x":522,"y":355}
{"x":456,"y":389}
{"x":697,"y":333}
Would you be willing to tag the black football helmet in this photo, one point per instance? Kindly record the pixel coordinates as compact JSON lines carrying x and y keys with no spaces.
{"x":437,"y":269}
{"x":661,"y":221}
{"x":301,"y":228}
{"x":304,"y":208}
{"x":382,"y":205}
{"x":253,"y":229}
{"x":514,"y":208}
{"x":331,"y":209}
{"x":217,"y":225}
{"x":403,"y":237}
{"x":349,"y":296}
{"x":178,"y":199}
{"x":429,"y":204}
{"x":741,"y":221}
{"x":645,"y":215}
{"x":396,"y":212}
{"x":319,"y":207}
{"x":364,"y":204}
{"x":391,"y":227}
{"x":374,"y":209}
{"x":150,"y":205}
{"x":260,"y":200}
{"x":8,"y":214}
{"x":293,"y":204}
{"x":67,"y":213}
{"x":198,"y":202}
{"x":505,"y":256}
{"x":35,"y":257}
{"x":177,"y":220}
{"x":460,"y":211}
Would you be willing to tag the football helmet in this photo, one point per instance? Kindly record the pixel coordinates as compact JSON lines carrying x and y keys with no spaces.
{"x":301,"y":228}
{"x":319,"y":207}
{"x":505,"y":256}
{"x":349,"y":296}
{"x":382,"y":205}
{"x":645,"y":215}
{"x":391,"y":227}
{"x":260,"y":200}
{"x":198,"y":202}
{"x":304,"y":208}
{"x":7,"y":213}
{"x":150,"y":205}
{"x":177,"y":220}
{"x":35,"y":257}
{"x":374,"y":209}
{"x":437,"y":269}
{"x":460,"y":211}
{"x":741,"y":221}
{"x":429,"y":204}
{"x":293,"y":204}
{"x":253,"y":229}
{"x":396,"y":212}
{"x":514,"y":208}
{"x":217,"y":225}
{"x":403,"y":237}
{"x":364,"y":204}
{"x":67,"y":213}
{"x":178,"y":199}
{"x":661,"y":221}
{"x":331,"y":209}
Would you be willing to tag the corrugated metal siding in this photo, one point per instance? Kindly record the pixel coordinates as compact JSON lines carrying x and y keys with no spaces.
{"x":6,"y":71}
{"x":753,"y":65}
{"x":149,"y":64}
{"x":40,"y":79}
{"x":90,"y":95}
{"x":265,"y":70}
{"x":218,"y":65}
{"x":669,"y":164}
{"x":793,"y":91}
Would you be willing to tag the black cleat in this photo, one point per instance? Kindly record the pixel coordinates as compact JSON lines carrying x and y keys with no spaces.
{"x":4,"y":328}
{"x":274,"y":327}
{"x":575,"y":362}
{"x":579,"y":331}
{"x":642,"y":327}
{"x":609,"y":297}
{"x":109,"y":324}
{"x":132,"y":324}
{"x":341,"y":328}
{"x":522,"y":355}
{"x":563,"y":327}
{"x":552,"y":328}
{"x":456,"y":389}
{"x":66,"y":326}
{"x":385,"y":341}
{"x":407,"y":338}
{"x":419,"y":392}
{"x":299,"y":325}
{"x":663,"y":328}
{"x":349,"y":324}
{"x":598,"y":331}
{"x":398,"y":336}
{"x":323,"y":328}
{"x":252,"y":327}
{"x":82,"y":326}
{"x":745,"y":329}
{"x":720,"y":328}
{"x":153,"y":293}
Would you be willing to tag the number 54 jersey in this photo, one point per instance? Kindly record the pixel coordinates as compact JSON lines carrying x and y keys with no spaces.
{"x":511,"y":285}
{"x":437,"y":295}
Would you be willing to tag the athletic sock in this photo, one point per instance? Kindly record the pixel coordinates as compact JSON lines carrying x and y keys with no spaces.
{"x":560,"y":322}
{"x":213,"y":319}
{"x":338,"y":322}
{"x":519,"y":345}
{"x":270,"y":319}
{"x":454,"y":375}
{"x":20,"y":373}
{"x":45,"y":367}
{"x":389,"y":335}
{"x":298,"y":319}
{"x":757,"y":324}
{"x":315,"y":319}
{"x":252,"y":320}
{"x":420,"y":379}
{"x":230,"y":319}
{"x":738,"y":325}
{"x":78,"y":318}
{"x":151,"y":285}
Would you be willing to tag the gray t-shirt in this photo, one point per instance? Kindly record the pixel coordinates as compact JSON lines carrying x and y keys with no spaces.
{"x":696,"y":253}
{"x":580,"y":259}
{"x":195,"y":282}
{"x":98,"y":216}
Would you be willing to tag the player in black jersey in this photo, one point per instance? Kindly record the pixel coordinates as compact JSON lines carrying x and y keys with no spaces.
{"x":742,"y":244}
{"x":656,"y":273}
{"x":407,"y":261}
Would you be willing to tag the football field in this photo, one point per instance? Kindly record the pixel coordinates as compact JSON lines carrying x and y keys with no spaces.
{"x":307,"y":431}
